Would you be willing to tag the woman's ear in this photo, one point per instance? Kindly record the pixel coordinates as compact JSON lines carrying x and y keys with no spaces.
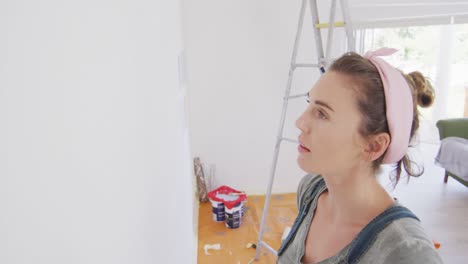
{"x":377,"y":145}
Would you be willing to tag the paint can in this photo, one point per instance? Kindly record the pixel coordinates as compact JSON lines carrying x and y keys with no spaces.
{"x":227,"y":205}
{"x":218,"y":211}
{"x":234,"y":216}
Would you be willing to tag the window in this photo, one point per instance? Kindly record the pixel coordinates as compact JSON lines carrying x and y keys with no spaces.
{"x":440,"y":53}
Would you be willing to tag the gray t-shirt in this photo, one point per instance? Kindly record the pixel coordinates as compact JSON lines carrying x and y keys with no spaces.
{"x":402,"y":241}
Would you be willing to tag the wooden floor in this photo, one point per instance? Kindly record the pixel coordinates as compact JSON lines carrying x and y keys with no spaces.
{"x":233,"y":241}
{"x":442,"y":208}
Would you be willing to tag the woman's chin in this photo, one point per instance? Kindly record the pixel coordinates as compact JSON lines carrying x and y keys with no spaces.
{"x":302,"y":163}
{"x":306,"y":166}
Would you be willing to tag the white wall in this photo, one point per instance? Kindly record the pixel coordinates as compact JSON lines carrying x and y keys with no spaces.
{"x":94,"y":155}
{"x":238,"y":55}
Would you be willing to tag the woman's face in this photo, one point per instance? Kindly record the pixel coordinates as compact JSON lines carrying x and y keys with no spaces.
{"x":329,"y":139}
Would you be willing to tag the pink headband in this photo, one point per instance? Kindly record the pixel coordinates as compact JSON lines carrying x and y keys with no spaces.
{"x":399,"y":104}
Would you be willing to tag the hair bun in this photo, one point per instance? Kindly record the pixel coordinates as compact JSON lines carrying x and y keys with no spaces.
{"x":422,"y":89}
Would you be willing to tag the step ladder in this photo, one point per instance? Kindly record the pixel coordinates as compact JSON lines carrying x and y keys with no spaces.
{"x":323,"y":61}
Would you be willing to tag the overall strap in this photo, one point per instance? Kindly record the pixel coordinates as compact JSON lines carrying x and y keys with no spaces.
{"x":302,"y":214}
{"x":369,"y":234}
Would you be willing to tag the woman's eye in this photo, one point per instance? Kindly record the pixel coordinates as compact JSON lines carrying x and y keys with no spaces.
{"x":308,"y":101}
{"x":321,"y":115}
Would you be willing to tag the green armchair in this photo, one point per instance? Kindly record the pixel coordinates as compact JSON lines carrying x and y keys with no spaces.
{"x":457,"y":127}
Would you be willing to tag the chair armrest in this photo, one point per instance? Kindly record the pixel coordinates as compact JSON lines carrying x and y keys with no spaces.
{"x":456,"y":127}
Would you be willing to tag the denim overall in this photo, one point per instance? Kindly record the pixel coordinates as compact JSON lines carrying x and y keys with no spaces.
{"x":365,"y":238}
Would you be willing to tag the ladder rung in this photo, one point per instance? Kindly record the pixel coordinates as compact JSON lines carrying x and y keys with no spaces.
{"x":289,"y":140}
{"x":327,"y":25}
{"x":296,"y":96}
{"x":305,"y":65}
{"x":264,"y":244}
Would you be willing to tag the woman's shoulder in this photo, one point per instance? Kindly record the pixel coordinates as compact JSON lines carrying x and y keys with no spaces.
{"x":305,"y":185}
{"x":405,"y":241}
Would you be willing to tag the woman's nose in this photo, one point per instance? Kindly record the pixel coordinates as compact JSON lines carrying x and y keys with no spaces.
{"x":300,"y":123}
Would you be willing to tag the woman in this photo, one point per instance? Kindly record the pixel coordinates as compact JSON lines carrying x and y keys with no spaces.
{"x":362,"y":113}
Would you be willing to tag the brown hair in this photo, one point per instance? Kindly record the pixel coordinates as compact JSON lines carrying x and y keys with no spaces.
{"x":370,"y":96}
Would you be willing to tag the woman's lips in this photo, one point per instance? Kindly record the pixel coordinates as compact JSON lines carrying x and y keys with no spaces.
{"x":302,"y":149}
